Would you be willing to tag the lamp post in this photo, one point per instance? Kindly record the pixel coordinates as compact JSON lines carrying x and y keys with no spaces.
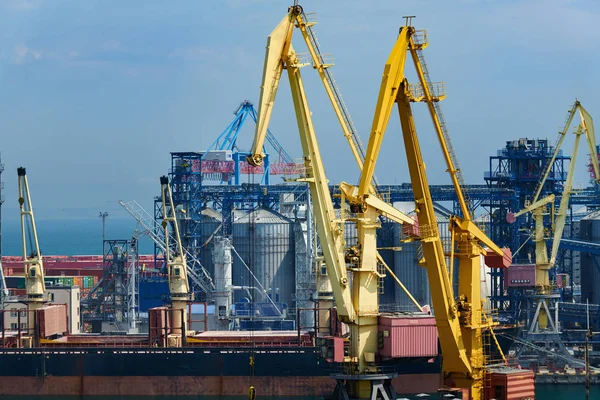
{"x":103,"y":216}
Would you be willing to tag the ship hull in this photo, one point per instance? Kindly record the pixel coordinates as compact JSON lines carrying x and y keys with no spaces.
{"x":185,"y":372}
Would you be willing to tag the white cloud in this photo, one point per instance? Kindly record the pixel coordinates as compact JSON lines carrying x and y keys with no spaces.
{"x":23,"y":54}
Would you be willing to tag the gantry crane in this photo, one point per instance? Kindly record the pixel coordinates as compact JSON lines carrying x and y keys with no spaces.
{"x":34,"y":265}
{"x":356,"y":301}
{"x":177,"y":270}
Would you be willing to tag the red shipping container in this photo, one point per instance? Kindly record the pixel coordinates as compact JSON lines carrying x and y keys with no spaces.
{"x":408,"y":336}
{"x":520,"y":275}
{"x":412,"y":231}
{"x":52,"y":320}
{"x":562,"y":280}
{"x":493,"y":260}
{"x":510,"y":384}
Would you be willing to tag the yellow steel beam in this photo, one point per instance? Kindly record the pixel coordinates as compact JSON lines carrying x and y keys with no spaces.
{"x":455,"y":357}
{"x":562,"y":136}
{"x":320,"y":67}
{"x":385,"y":209}
{"x":588,"y":126}
{"x":279,"y":55}
{"x":393,"y":74}
{"x":561,"y":215}
{"x":278,"y":43}
{"x":535,"y":205}
{"x":34,"y":264}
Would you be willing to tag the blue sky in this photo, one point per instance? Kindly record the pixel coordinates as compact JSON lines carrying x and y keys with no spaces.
{"x":95,"y":94}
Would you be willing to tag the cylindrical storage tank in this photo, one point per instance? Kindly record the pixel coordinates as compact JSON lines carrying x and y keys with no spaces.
{"x":385,"y":241}
{"x":412,"y":276}
{"x":223,"y":284}
{"x":210,"y":222}
{"x":407,"y":269}
{"x":265,"y":241}
{"x":589,"y":231}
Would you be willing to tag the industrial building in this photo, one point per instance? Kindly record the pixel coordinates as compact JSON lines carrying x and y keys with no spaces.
{"x":70,"y":295}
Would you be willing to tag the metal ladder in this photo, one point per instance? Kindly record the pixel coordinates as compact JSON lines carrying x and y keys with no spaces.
{"x":196,"y":272}
{"x":440,"y":116}
{"x":310,"y":20}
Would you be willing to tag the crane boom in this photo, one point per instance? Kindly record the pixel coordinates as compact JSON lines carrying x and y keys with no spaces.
{"x":280,"y":53}
{"x":179,"y":288}
{"x":459,"y":317}
{"x":357,"y":304}
{"x":585,"y":127}
{"x":34,"y":265}
{"x":534,"y":206}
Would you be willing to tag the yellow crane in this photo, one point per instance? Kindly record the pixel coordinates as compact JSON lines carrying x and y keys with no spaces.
{"x":586,"y":127}
{"x":177,"y":270}
{"x":322,"y":63}
{"x":460,"y":318}
{"x":558,"y":217}
{"x":537,"y":206}
{"x":354,"y":273}
{"x":34,"y":264}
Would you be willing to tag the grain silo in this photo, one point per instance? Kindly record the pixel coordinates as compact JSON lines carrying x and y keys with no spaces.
{"x":210,"y":227}
{"x":264,"y":239}
{"x":410,"y":273}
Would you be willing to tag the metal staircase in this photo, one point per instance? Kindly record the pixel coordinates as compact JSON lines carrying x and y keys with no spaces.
{"x":197,"y":273}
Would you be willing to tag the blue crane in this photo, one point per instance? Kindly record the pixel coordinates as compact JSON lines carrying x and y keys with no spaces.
{"x":224,"y":161}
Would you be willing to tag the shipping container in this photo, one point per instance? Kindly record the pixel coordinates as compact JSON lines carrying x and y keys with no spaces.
{"x":408,"y":336}
{"x":520,"y":275}
{"x":52,"y":320}
{"x":562,"y":280}
{"x":510,"y":384}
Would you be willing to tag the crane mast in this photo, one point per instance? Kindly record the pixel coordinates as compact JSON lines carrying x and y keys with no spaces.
{"x":177,"y":270}
{"x":34,"y":265}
